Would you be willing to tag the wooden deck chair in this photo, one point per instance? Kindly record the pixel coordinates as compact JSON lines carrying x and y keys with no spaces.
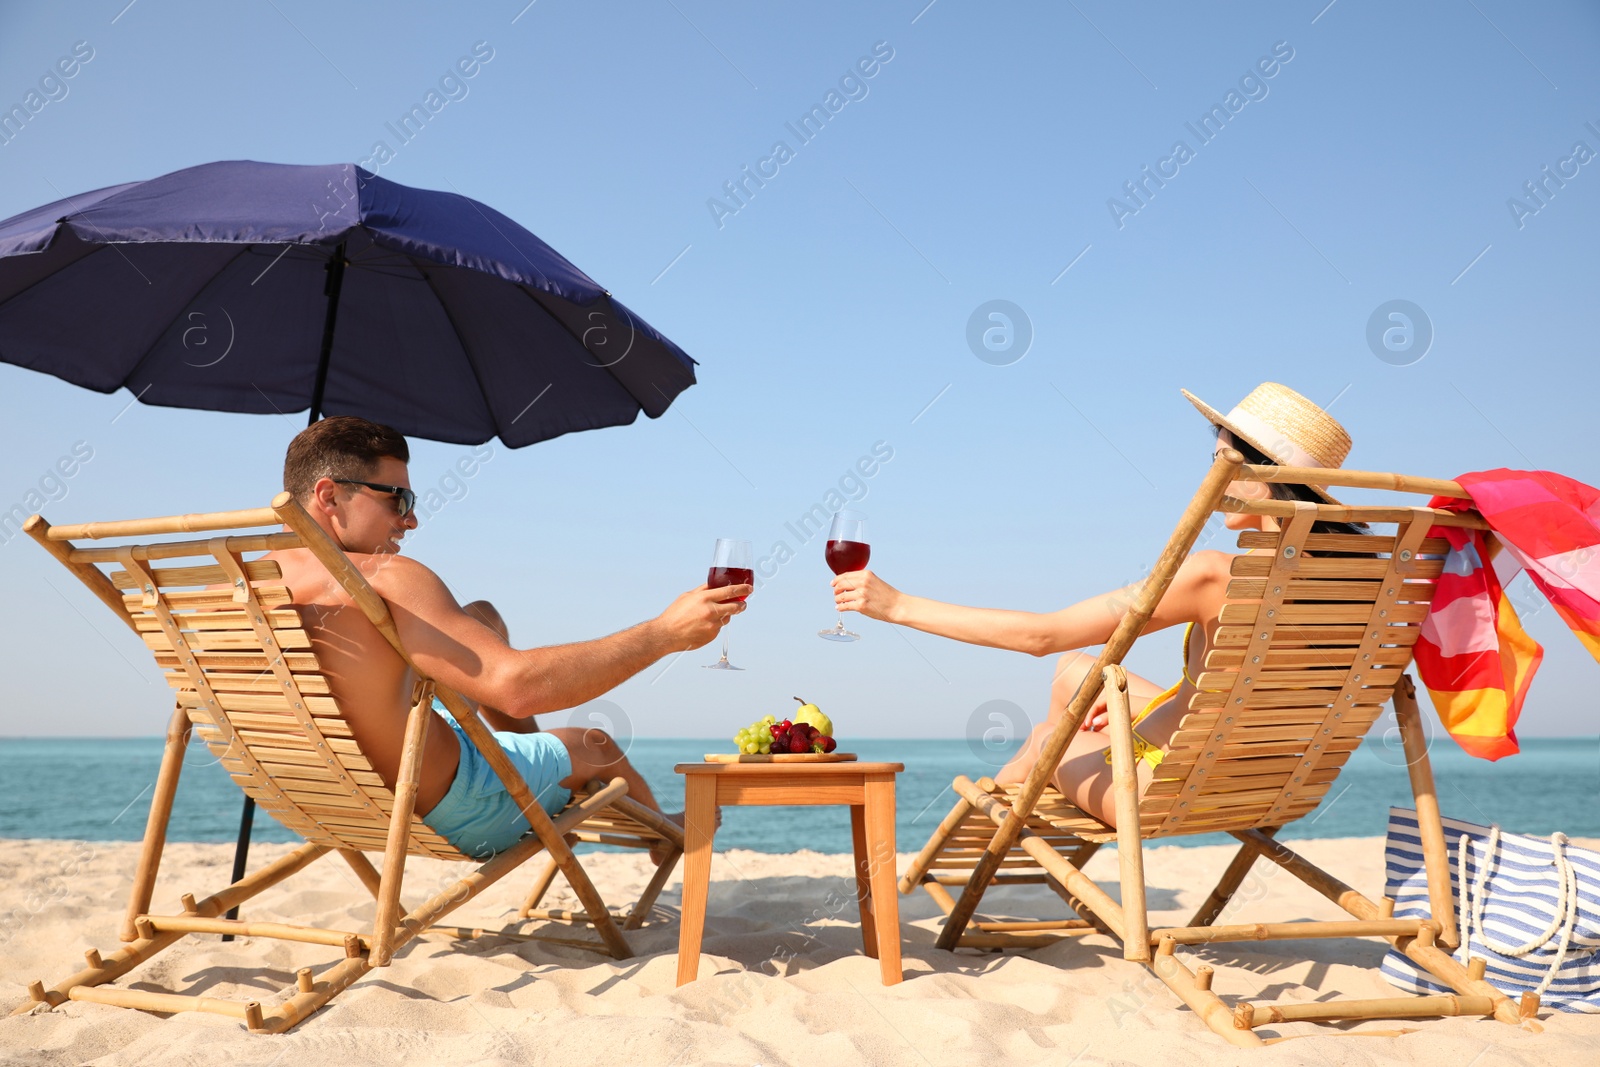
{"x":248,"y":683}
{"x":633,"y":827}
{"x":1310,"y":648}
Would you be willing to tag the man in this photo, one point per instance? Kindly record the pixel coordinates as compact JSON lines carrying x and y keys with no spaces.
{"x":350,"y":476}
{"x":486,"y":613}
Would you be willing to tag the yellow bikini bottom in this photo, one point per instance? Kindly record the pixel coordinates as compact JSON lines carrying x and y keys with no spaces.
{"x":1142,"y":749}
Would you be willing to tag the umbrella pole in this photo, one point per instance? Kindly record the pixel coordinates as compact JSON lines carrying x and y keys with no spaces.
{"x":330,"y":289}
{"x":241,"y":851}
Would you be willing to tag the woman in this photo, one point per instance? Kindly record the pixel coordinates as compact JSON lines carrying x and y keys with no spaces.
{"x":1273,"y":424}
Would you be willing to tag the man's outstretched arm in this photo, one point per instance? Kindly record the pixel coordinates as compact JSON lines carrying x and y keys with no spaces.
{"x":459,"y":651}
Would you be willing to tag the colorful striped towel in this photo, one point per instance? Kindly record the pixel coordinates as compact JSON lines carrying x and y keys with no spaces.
{"x":1473,"y":654}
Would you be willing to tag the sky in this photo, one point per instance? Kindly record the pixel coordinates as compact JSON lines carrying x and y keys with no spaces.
{"x":1368,"y":154}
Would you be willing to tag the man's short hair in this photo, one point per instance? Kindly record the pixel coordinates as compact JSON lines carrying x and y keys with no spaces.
{"x":344,"y":446}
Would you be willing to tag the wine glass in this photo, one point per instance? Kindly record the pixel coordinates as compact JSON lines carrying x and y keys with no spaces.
{"x":730,"y":565}
{"x":847,"y":551}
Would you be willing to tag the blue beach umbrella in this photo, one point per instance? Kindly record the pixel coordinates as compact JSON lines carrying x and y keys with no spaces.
{"x":263,"y":288}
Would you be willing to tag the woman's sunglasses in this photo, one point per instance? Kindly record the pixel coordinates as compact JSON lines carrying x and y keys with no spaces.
{"x":404,"y":498}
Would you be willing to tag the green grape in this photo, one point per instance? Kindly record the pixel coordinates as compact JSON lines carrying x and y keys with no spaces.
{"x":757,"y":737}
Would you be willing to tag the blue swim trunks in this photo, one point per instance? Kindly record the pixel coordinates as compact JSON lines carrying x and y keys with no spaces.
{"x":477,"y":815}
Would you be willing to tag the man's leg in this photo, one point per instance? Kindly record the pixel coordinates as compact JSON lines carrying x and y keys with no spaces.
{"x":596,"y":754}
{"x":501,"y":723}
{"x":497,"y":720}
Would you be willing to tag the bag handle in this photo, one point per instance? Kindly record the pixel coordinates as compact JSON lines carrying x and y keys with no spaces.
{"x":1476,"y":895}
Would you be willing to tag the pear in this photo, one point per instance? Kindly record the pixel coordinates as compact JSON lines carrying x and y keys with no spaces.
{"x":812,"y":715}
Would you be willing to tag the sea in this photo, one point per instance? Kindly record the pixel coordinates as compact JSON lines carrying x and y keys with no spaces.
{"x":99,"y":790}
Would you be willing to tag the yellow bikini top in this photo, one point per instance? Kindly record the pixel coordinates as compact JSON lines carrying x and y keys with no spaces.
{"x":1187,"y":633}
{"x":1142,"y":749}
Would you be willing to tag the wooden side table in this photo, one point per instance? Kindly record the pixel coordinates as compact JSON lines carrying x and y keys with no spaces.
{"x":868,"y":788}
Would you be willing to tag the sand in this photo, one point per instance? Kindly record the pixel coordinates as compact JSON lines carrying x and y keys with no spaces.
{"x":500,"y":1001}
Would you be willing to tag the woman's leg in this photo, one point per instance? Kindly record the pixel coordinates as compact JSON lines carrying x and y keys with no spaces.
{"x":1085,"y":778}
{"x":1071,"y":669}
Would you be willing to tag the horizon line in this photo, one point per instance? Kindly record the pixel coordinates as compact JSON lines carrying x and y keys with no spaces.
{"x":719,"y":738}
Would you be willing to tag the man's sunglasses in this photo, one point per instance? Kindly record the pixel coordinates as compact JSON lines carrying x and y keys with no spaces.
{"x":404,"y":498}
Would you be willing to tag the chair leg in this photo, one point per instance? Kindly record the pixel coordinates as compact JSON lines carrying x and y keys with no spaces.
{"x":941,"y":896}
{"x":394,"y":854}
{"x":924,"y":860}
{"x":541,"y":886}
{"x":1080,"y":855}
{"x":1433,"y":959}
{"x":647,"y":900}
{"x":364,"y":870}
{"x":130,"y":956}
{"x":155,"y":830}
{"x":604,"y":923}
{"x":1229,"y":883}
{"x":1081,"y":893}
{"x":1196,"y":993}
{"x":1130,"y":849}
{"x":1435,"y":856}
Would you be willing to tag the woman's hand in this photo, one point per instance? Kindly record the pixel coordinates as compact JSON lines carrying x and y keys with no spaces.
{"x":865,"y":592}
{"x":1098,"y":717}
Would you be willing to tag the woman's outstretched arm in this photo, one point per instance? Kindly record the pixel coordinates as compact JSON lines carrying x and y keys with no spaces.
{"x":1194,"y":595}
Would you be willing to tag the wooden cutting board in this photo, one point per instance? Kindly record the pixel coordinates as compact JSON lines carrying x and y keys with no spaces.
{"x":781,"y":757}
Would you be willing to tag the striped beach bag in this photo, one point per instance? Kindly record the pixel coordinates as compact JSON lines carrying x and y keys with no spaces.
{"x":1529,"y":906}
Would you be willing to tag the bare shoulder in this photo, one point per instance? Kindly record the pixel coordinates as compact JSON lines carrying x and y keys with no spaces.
{"x":397,"y":577}
{"x":1207,"y":575}
{"x":1208,"y":565}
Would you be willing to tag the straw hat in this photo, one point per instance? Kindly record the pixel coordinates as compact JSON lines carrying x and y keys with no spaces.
{"x":1282,"y":424}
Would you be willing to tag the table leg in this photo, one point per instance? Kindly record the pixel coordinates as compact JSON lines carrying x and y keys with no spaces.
{"x":858,"y":837}
{"x":700,"y":824}
{"x":886,"y":905}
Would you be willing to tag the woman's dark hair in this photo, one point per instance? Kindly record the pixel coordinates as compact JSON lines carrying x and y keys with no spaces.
{"x":1288,"y":490}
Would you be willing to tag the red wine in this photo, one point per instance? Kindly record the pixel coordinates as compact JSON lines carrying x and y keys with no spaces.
{"x":725,"y":576}
{"x":845,"y":556}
